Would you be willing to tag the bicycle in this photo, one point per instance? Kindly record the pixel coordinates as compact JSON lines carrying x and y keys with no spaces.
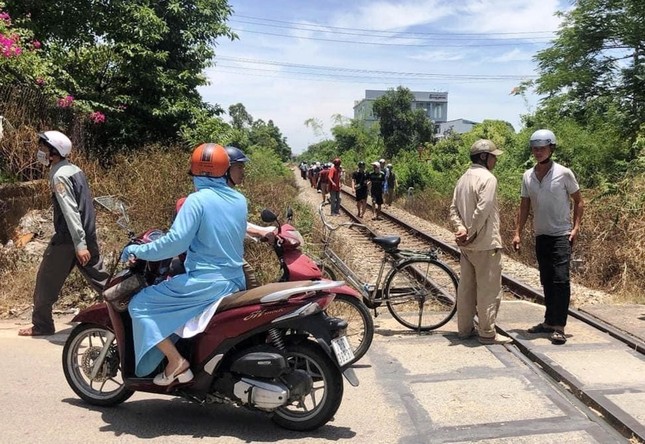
{"x":420,"y":291}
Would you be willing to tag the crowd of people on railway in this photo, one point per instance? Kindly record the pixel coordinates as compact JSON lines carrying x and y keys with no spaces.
{"x":380,"y":184}
{"x":547,"y":191}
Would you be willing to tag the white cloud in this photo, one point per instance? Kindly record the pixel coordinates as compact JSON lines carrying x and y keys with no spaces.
{"x":393,"y":15}
{"x":514,"y":55}
{"x":440,"y":55}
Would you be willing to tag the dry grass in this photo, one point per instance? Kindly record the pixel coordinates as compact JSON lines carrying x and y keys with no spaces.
{"x":150,"y":181}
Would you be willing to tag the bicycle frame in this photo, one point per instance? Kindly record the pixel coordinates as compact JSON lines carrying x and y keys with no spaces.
{"x":372,"y":293}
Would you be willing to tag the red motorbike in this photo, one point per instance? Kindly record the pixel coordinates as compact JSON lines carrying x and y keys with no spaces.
{"x":298,"y":266}
{"x":272,"y":349}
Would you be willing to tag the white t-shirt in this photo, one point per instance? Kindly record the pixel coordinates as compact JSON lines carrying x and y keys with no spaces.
{"x":550,"y":199}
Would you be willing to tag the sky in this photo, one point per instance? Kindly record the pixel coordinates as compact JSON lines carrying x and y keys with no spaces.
{"x":298,"y":59}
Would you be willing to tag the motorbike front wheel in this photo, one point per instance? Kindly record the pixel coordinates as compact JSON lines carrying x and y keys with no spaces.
{"x":82,"y":349}
{"x":316,"y":408}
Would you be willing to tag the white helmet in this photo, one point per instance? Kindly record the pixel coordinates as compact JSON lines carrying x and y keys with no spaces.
{"x":542,"y":137}
{"x":57,"y":140}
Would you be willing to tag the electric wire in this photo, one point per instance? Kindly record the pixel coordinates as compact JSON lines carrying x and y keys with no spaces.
{"x":380,"y":73}
{"x":381,"y":31}
{"x":392,"y":34}
{"x":411,"y":45}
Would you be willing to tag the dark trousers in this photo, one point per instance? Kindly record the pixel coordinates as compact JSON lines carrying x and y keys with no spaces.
{"x":554,"y":256}
{"x":58,"y":262}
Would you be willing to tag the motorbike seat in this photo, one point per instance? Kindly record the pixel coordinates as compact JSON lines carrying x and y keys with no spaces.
{"x":255,"y":295}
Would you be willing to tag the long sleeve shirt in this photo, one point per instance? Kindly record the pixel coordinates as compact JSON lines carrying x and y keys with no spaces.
{"x":474,"y":207}
{"x":74,"y":215}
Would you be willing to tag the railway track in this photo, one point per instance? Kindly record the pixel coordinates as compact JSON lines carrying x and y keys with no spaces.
{"x":414,"y":238}
{"x":511,"y":284}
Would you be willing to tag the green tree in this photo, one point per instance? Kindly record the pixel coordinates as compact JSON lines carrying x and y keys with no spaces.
{"x":240,"y":118}
{"x":597,"y":62}
{"x":269,"y":136}
{"x":402,"y":128}
{"x":138,"y":62}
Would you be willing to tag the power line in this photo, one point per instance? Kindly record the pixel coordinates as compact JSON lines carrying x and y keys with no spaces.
{"x":338,"y":79}
{"x":442,"y":45}
{"x":392,"y":34}
{"x":368,"y":72}
{"x":380,"y":31}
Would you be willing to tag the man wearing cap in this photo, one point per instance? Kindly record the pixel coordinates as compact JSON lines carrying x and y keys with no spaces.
{"x":359,"y":187}
{"x":548,"y":188}
{"x":376,"y":180}
{"x":74,"y":242}
{"x":475,"y":214}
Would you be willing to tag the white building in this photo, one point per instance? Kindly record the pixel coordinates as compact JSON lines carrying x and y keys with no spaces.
{"x":434,"y":104}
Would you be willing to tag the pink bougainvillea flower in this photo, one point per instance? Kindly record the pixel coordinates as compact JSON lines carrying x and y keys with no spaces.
{"x":97,"y":117}
{"x":5,"y":17}
{"x":9,"y":45}
{"x":40,"y":81}
{"x":36,"y":44}
{"x":66,"y":102}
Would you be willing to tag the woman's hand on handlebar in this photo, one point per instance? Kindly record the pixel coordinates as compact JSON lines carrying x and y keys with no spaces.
{"x":128,"y":256}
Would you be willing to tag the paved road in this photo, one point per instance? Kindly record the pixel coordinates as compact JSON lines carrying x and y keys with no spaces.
{"x":414,"y":389}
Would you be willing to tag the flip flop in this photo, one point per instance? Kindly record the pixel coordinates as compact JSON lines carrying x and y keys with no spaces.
{"x":33,"y":331}
{"x":540,"y":328}
{"x":558,"y":337}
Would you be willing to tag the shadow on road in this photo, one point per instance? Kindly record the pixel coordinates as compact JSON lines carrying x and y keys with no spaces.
{"x":153,"y":418}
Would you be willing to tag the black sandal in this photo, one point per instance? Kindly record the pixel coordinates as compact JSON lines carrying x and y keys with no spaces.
{"x":540,"y":328}
{"x":558,"y":337}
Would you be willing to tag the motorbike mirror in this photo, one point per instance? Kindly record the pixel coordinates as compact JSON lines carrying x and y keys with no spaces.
{"x":268,"y":216}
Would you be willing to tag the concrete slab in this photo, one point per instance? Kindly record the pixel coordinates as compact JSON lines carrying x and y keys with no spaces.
{"x":611,"y":368}
{"x":437,"y":358}
{"x":517,"y":316}
{"x":483,"y":401}
{"x":628,"y":317}
{"x":577,"y":437}
{"x":632,"y":403}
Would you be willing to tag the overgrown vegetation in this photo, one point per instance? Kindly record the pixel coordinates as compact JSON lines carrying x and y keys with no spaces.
{"x":151,"y":198}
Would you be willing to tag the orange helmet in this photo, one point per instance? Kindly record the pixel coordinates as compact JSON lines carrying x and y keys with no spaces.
{"x":209,"y":159}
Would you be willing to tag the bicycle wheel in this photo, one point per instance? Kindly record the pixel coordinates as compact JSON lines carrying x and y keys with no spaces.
{"x":421,"y":293}
{"x":360,"y":326}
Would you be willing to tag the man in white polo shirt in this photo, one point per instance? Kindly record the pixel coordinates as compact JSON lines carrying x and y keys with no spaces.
{"x":547,"y":188}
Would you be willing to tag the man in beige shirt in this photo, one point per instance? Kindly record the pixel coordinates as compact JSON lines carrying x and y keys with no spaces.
{"x":475,"y":214}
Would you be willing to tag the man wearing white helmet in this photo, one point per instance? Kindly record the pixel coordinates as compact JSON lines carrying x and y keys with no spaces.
{"x":547,"y":188}
{"x":74,"y":242}
{"x":475,"y":214}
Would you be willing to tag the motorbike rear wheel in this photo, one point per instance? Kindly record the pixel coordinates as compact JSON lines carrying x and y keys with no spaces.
{"x":81,"y":351}
{"x":319,"y":406}
{"x":360,"y":325}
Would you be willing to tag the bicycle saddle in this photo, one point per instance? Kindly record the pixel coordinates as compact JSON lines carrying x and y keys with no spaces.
{"x":388,"y":243}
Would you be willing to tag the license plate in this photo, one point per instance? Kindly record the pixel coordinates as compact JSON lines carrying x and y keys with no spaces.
{"x":343,"y":351}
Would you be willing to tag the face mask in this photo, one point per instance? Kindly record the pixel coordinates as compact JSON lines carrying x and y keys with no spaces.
{"x":43,"y":157}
